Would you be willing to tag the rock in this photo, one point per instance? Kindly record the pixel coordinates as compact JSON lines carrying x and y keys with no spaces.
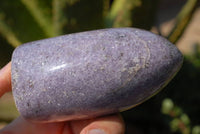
{"x":89,"y":74}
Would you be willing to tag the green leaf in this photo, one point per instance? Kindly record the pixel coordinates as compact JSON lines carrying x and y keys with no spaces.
{"x":19,"y":21}
{"x":167,"y":106}
{"x":58,"y":15}
{"x":37,"y":11}
{"x":196,"y":130}
{"x":121,"y":12}
{"x":182,"y":20}
{"x":8,"y":33}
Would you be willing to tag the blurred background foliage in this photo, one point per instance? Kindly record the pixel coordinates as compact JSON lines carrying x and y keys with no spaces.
{"x":175,"y":110}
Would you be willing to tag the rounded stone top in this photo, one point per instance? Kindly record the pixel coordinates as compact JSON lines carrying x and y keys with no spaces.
{"x":89,"y":74}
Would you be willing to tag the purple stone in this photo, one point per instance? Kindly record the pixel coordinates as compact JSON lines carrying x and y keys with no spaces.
{"x":89,"y":74}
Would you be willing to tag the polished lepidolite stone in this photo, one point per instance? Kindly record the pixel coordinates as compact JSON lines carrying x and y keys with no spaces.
{"x":89,"y":74}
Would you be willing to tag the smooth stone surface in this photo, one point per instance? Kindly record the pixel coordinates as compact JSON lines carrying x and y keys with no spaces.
{"x":90,"y":74}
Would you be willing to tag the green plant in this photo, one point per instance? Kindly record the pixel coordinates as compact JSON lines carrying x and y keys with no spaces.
{"x":179,"y":120}
{"x":28,"y":20}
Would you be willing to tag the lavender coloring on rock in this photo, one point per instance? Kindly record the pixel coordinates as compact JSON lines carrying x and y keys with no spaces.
{"x":90,"y":74}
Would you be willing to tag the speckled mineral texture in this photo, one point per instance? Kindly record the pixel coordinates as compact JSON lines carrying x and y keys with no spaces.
{"x":89,"y":74}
